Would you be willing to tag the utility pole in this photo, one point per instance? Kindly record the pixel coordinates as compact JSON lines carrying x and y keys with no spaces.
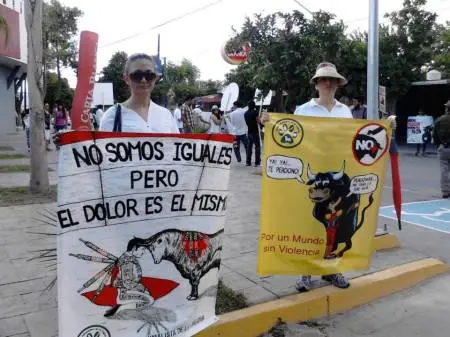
{"x":373,"y":62}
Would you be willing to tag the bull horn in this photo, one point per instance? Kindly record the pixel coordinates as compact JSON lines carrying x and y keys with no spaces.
{"x":340,"y":174}
{"x":311,"y":176}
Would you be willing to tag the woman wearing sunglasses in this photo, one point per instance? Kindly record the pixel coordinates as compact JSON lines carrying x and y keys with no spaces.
{"x":139,"y":113}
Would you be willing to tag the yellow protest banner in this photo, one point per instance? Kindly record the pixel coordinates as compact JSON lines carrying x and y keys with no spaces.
{"x":321,"y":192}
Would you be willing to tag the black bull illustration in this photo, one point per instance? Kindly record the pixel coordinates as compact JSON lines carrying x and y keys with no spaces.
{"x":193,"y":254}
{"x":336,"y":208}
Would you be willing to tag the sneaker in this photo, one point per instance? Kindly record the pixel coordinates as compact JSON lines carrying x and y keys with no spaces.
{"x":303,"y":284}
{"x":338,"y":280}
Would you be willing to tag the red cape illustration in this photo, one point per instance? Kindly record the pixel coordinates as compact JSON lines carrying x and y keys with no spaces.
{"x":108,"y":296}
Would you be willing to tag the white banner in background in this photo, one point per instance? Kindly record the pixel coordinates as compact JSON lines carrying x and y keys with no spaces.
{"x":142,"y":220}
{"x":420,"y":129}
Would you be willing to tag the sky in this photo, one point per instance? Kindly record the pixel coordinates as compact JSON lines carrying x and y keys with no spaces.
{"x":200,"y":36}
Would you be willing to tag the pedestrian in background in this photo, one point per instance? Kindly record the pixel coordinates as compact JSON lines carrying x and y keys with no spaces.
{"x":252,"y":120}
{"x":187,"y":115}
{"x":441,"y":137}
{"x":27,"y":126}
{"x":425,"y":138}
{"x":359,"y":110}
{"x":177,"y":116}
{"x":238,"y":128}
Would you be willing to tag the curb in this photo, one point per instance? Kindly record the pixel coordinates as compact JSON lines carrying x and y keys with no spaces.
{"x":260,"y":318}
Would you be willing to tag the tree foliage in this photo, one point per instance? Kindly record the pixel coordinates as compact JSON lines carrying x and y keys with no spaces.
{"x":286,"y":48}
{"x":113,"y":72}
{"x":65,"y":95}
{"x":60,"y":27}
{"x":441,"y":58}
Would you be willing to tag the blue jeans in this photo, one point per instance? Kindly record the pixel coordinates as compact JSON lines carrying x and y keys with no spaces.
{"x":237,"y":146}
{"x":253,"y":139}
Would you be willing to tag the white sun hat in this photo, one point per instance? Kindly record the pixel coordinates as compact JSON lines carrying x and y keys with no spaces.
{"x":327,"y":69}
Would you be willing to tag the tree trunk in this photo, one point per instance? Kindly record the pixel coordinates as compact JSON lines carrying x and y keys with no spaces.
{"x":39,"y":182}
{"x":58,"y":73}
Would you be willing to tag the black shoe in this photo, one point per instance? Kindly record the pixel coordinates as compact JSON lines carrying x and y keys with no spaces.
{"x":446,"y":196}
{"x":249,"y":164}
{"x":112,"y":311}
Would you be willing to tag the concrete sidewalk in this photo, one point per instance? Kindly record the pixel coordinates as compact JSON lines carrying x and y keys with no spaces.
{"x":27,"y":310}
{"x":419,"y":311}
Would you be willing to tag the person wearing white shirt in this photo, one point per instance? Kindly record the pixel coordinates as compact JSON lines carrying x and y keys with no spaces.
{"x":238,"y":128}
{"x":326,"y":80}
{"x":177,"y":115}
{"x":139,"y":113}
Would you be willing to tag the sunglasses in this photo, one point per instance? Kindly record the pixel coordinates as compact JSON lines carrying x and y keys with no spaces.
{"x":324,"y":79}
{"x":136,"y":76}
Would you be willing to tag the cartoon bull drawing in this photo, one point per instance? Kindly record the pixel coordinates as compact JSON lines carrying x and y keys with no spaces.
{"x":335,"y":208}
{"x":194,"y":254}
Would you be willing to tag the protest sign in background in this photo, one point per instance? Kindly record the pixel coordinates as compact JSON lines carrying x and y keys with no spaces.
{"x":420,"y":129}
{"x":142,"y":220}
{"x":321,"y":193}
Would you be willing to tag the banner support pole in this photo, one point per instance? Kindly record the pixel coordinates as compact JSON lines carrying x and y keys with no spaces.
{"x":373,"y":62}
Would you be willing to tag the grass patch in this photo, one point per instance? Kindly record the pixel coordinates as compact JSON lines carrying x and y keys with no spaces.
{"x":229,"y":300}
{"x":6,"y":148}
{"x":12,"y":196}
{"x":17,"y":168}
{"x":12,"y":156}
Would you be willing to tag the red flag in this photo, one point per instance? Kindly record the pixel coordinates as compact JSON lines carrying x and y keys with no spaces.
{"x":396,"y":184}
{"x":87,"y":64}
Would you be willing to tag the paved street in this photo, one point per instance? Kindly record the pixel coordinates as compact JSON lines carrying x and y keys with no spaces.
{"x":27,"y":310}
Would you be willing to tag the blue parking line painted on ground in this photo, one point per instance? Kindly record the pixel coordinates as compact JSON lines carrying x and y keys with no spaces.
{"x":432,"y":214}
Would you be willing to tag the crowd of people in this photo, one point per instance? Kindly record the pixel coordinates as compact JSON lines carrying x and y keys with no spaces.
{"x":57,"y":119}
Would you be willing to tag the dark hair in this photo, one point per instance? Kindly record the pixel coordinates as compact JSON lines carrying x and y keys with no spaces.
{"x":251,"y":104}
{"x":135,"y":243}
{"x":135,"y":57}
{"x":179,"y":104}
{"x":238,"y":104}
{"x":360,"y":99}
{"x":189,"y":97}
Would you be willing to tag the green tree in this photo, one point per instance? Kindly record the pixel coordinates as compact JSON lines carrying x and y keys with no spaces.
{"x":406,"y":46}
{"x":113,"y":72}
{"x":441,"y":59}
{"x":60,"y":28}
{"x":65,"y":95}
{"x":286,"y":47}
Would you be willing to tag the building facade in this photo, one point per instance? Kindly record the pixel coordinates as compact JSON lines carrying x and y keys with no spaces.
{"x":13,"y":61}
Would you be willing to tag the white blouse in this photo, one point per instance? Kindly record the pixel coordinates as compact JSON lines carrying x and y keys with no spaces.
{"x":159,"y":120}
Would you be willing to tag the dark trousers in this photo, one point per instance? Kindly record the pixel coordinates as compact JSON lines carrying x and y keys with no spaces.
{"x":237,"y":146}
{"x":423,"y":146}
{"x":253,"y":139}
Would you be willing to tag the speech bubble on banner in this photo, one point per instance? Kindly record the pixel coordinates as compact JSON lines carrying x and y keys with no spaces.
{"x":363,"y":184}
{"x":283,"y":167}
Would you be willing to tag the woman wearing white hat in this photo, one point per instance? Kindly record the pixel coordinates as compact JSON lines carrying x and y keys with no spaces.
{"x":326,"y":80}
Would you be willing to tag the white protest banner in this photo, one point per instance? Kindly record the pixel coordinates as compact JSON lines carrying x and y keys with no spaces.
{"x":419,"y":129}
{"x":141,"y":220}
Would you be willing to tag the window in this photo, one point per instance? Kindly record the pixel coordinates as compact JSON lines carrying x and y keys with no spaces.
{"x":4,"y":2}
